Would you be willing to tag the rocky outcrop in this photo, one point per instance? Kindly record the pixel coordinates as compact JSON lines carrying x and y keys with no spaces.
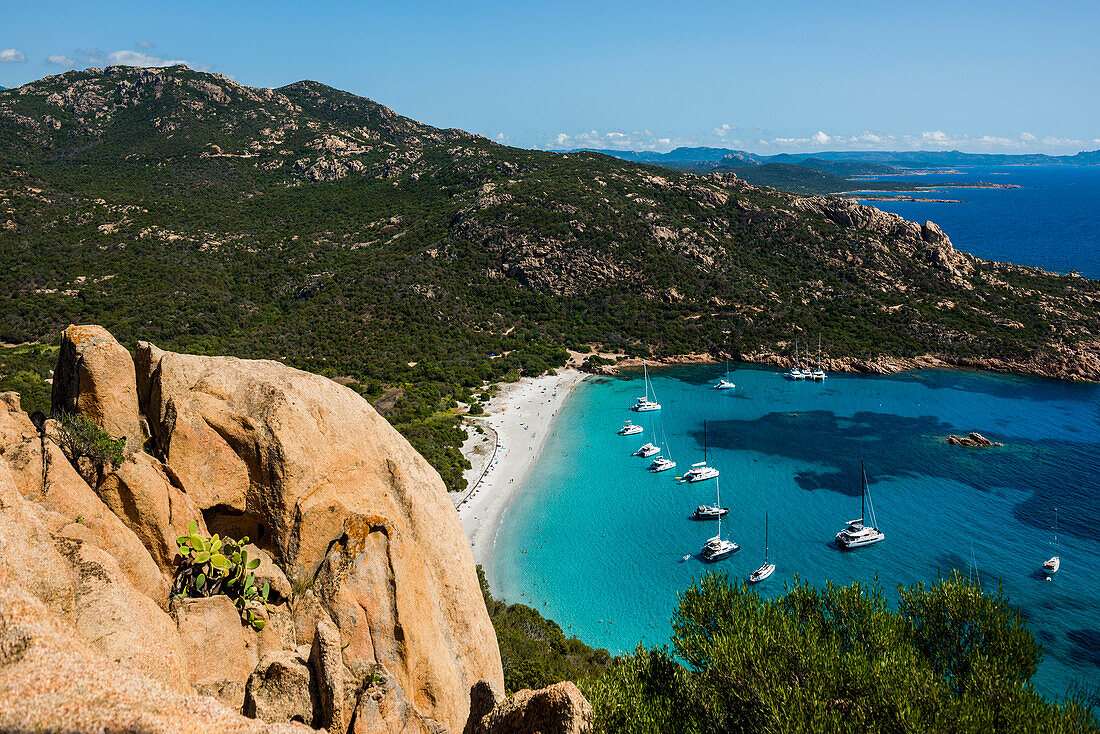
{"x":364,"y":525}
{"x":557,"y":709}
{"x":281,"y":688}
{"x":94,"y":378}
{"x":974,"y":439}
{"x":374,"y":620}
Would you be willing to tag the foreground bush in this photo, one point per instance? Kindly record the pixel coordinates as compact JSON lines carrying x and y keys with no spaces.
{"x":950,"y":658}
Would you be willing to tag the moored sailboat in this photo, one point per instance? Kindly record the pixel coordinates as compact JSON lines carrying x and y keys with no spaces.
{"x":767,"y":569}
{"x":1055,"y":562}
{"x":644,"y":404}
{"x":717,"y":547}
{"x":725,"y":383}
{"x":856,"y":534}
{"x":699,"y":471}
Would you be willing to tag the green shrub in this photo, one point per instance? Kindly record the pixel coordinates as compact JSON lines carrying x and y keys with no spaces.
{"x":951,"y":658}
{"x":80,"y":437}
{"x":210,"y":566}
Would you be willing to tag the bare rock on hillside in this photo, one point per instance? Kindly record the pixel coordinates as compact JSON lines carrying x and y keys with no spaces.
{"x":141,"y":494}
{"x":557,"y":709}
{"x":214,"y":642}
{"x":382,"y":708}
{"x":325,"y":470}
{"x":281,"y":689}
{"x":326,"y":657}
{"x":95,"y":377}
{"x":51,"y":679}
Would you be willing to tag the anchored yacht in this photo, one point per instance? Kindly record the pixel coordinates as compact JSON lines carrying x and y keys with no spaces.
{"x":717,"y":547}
{"x":768,"y":568}
{"x":647,"y":450}
{"x":630,"y":429}
{"x":699,"y":471}
{"x":644,"y":404}
{"x":856,"y":534}
{"x":661,"y":464}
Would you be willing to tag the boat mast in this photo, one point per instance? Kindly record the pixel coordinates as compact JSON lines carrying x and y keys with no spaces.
{"x":645,"y":372}
{"x":863,"y":494}
{"x":765,"y":537}
{"x":704,"y":442}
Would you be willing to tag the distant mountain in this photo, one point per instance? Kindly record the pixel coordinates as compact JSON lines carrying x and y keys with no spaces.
{"x":881,"y":162}
{"x":678,"y":156}
{"x":788,"y":177}
{"x":841,"y":168}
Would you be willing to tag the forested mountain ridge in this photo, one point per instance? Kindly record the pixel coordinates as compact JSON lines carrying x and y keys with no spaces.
{"x":313,"y":226}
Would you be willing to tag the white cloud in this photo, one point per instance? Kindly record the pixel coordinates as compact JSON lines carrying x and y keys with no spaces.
{"x":59,"y":60}
{"x":502,"y":139}
{"x":763,"y":140}
{"x":136,"y":58}
{"x":145,"y":44}
{"x":12,"y":56}
{"x":616,"y":140}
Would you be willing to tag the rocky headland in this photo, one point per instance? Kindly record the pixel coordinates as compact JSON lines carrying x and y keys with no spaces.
{"x":372,"y":618}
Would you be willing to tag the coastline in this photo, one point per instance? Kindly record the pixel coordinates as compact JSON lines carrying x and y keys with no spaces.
{"x":1071,"y":366}
{"x":520,"y":417}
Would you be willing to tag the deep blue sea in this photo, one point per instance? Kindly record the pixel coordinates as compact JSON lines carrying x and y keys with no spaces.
{"x":596,"y":543}
{"x":1052,"y":222}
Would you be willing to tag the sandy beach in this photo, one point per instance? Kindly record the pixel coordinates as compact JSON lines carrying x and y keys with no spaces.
{"x":516,"y":423}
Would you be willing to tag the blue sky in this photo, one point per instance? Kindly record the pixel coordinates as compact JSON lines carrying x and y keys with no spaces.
{"x":763,"y":76}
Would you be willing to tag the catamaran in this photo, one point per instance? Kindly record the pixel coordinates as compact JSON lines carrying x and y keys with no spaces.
{"x":1055,"y":562}
{"x":644,"y":404}
{"x":818,"y":375}
{"x":724,"y":383}
{"x":709,"y":512}
{"x":647,"y":450}
{"x":630,"y":429}
{"x":699,"y":471}
{"x":717,"y":547}
{"x":797,"y":373}
{"x":768,"y":568}
{"x":661,"y":464}
{"x":856,"y":534}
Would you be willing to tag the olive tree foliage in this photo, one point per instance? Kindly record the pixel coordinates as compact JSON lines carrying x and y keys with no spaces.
{"x":837,"y":659}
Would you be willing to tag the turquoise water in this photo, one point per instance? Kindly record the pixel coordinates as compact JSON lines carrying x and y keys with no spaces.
{"x":596,"y":543}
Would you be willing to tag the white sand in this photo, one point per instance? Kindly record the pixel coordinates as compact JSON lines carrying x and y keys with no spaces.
{"x":521,"y":415}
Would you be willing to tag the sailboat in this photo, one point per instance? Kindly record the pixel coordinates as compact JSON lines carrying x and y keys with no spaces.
{"x":630,"y":429}
{"x":856,"y":534}
{"x":661,"y":463}
{"x":1055,"y":562}
{"x":768,"y":568}
{"x":699,"y":471}
{"x":818,"y":375}
{"x":797,"y":373}
{"x":647,"y":450}
{"x":717,"y":547}
{"x":724,"y":383}
{"x":644,"y":404}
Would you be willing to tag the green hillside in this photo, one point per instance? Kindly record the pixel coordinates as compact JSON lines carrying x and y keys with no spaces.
{"x":312,"y":226}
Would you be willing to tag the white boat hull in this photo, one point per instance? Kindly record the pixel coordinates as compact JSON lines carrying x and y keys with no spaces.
{"x":849,"y":542}
{"x":761,"y":573}
{"x":646,"y":408}
{"x":1052,"y":565}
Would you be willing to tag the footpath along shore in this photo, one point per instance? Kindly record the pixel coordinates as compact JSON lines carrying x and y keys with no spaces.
{"x":516,"y":424}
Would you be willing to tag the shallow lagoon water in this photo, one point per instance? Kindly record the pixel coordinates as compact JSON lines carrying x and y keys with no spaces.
{"x":596,"y":543}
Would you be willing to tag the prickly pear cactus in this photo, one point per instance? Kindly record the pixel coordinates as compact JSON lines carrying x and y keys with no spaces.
{"x":214,"y":565}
